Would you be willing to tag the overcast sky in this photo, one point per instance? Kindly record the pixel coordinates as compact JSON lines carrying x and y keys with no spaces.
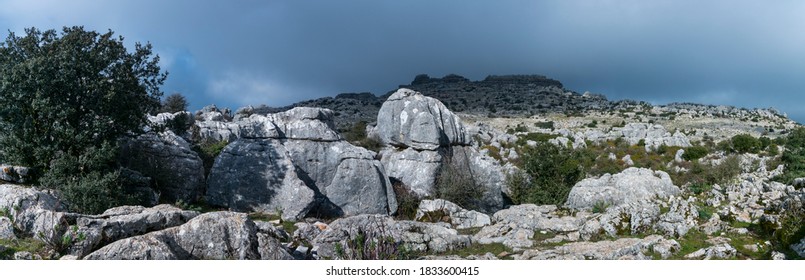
{"x":236,"y":53}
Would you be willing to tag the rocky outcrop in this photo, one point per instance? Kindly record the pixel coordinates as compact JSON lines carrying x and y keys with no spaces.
{"x":631,"y":185}
{"x":215,"y":235}
{"x":14,"y":174}
{"x":680,"y":218}
{"x":6,"y":229}
{"x":303,"y":165}
{"x":35,"y":213}
{"x":348,"y":178}
{"x":422,"y":136}
{"x":258,"y":175}
{"x":440,"y":210}
{"x":389,"y":236}
{"x":624,"y":219}
{"x":176,"y":170}
{"x":409,"y":119}
{"x":93,"y":232}
{"x":516,"y":226}
{"x":621,"y":249}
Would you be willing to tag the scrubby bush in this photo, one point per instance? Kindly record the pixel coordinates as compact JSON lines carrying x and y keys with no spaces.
{"x":455,"y":183}
{"x":742,"y":143}
{"x":695,"y":153}
{"x":407,"y":200}
{"x":793,"y":157}
{"x":356,"y":135}
{"x":548,"y":174}
{"x":208,"y":150}
{"x":701,"y":177}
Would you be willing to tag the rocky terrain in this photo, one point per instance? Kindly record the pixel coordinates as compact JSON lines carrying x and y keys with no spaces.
{"x":295,"y":183}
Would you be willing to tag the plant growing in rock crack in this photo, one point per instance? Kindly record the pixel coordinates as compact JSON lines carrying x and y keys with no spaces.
{"x":371,"y":245}
{"x":600,"y":206}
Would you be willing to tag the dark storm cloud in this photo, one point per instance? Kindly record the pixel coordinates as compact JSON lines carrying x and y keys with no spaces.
{"x":743,"y":53}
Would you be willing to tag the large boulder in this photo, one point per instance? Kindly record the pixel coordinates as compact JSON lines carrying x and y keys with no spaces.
{"x":93,"y":232}
{"x":439,"y":210}
{"x":621,"y":249}
{"x":36,"y":213}
{"x":421,"y":137}
{"x":350,"y":180}
{"x":630,"y":186}
{"x":304,"y":165}
{"x":176,"y":169}
{"x":258,"y":175}
{"x":410,"y":119}
{"x":391,"y":237}
{"x":215,"y":235}
{"x":416,"y":169}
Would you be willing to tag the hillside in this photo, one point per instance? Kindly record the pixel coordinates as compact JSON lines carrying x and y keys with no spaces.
{"x":510,"y":167}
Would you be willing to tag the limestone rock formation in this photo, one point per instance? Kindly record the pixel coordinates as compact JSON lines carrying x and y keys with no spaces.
{"x":409,"y":119}
{"x":215,"y":235}
{"x":302,"y":165}
{"x":621,"y":249}
{"x":122,"y":222}
{"x":176,"y":169}
{"x":34,"y":212}
{"x":14,"y":174}
{"x":386,"y":233}
{"x":445,"y":211}
{"x":422,"y":136}
{"x":631,"y":185}
{"x":258,"y":175}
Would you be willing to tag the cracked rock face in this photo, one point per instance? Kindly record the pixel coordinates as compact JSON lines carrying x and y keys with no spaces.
{"x":169,"y":160}
{"x":294,"y":162}
{"x":258,"y":175}
{"x":421,"y":136}
{"x":631,"y":185}
{"x":215,"y":235}
{"x":621,"y":249}
{"x":410,"y":119}
{"x":388,"y":233}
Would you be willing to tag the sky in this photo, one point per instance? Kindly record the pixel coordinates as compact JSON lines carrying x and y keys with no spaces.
{"x":237,"y":53}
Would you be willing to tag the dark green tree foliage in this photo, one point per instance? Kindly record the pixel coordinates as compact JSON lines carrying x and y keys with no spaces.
{"x":548,"y":173}
{"x":794,"y":156}
{"x":695,"y":153}
{"x":66,"y":99}
{"x":174,"y":103}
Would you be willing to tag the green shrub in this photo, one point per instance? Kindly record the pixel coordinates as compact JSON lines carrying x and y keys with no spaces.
{"x":793,"y":157}
{"x":695,"y":153}
{"x":65,"y":101}
{"x":92,"y":182}
{"x":544,"y":125}
{"x":208,"y":150}
{"x":745,"y":143}
{"x":548,"y":174}
{"x":600,"y":207}
{"x":174,"y":103}
{"x":356,"y":135}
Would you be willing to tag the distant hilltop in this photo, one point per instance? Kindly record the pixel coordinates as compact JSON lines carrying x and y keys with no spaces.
{"x":505,"y":96}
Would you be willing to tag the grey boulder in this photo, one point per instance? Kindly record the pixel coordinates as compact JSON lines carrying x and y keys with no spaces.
{"x":215,"y":235}
{"x":93,"y":232}
{"x":410,"y":119}
{"x":177,"y":170}
{"x":258,"y":175}
{"x":629,"y":186}
{"x":439,"y":210}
